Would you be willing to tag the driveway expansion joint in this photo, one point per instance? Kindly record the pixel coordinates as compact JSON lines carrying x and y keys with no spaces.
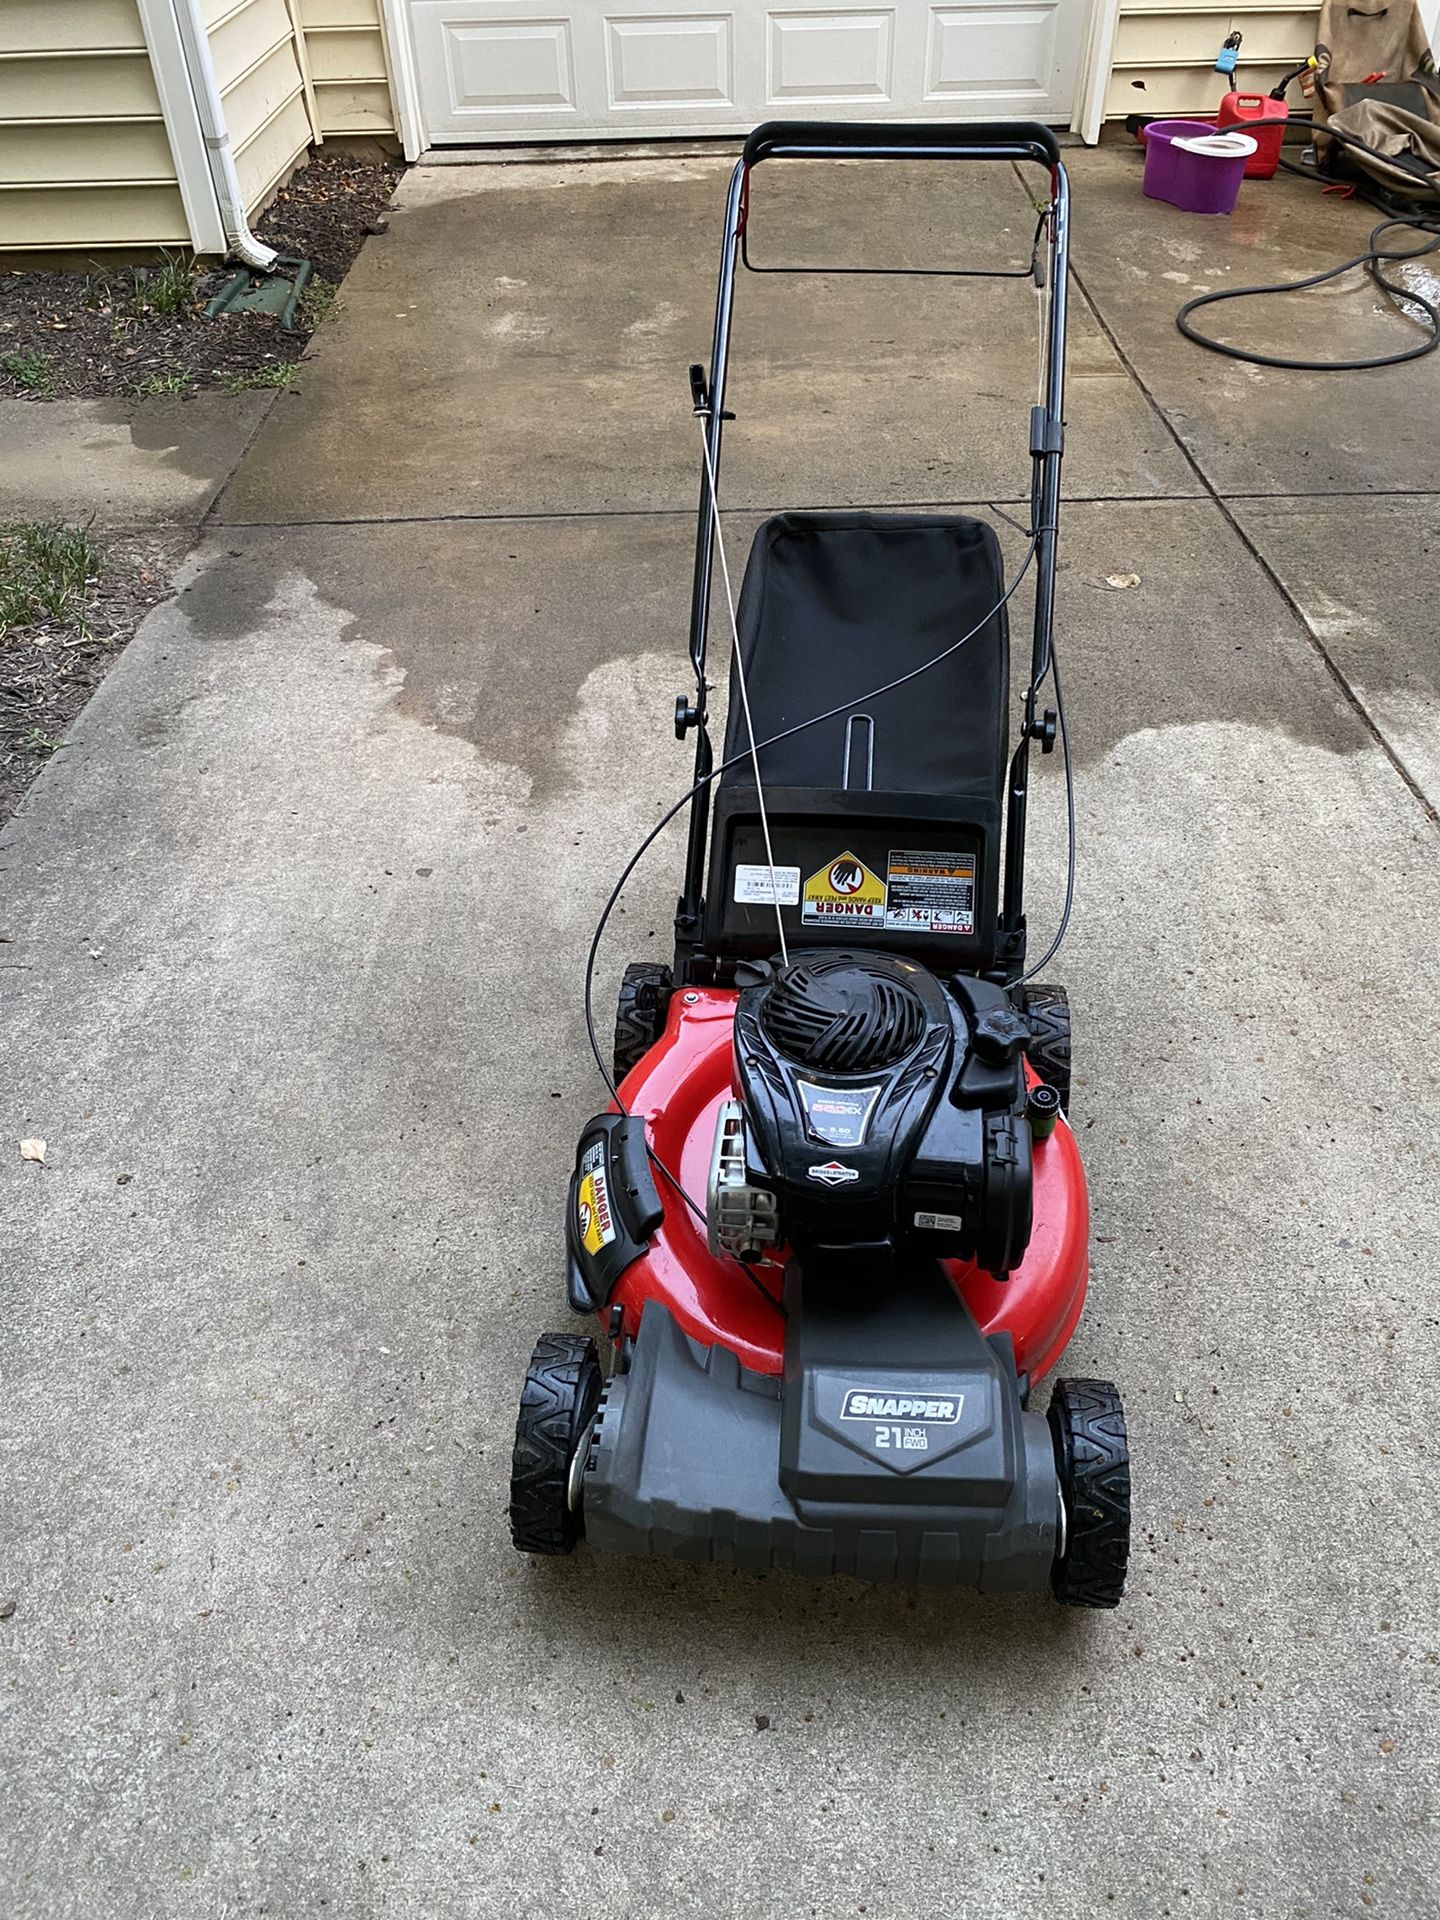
{"x":1220,"y":500}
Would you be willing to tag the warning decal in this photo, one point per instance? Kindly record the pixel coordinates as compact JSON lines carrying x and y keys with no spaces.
{"x":844,"y":894}
{"x":930,"y":892}
{"x":592,"y":1201}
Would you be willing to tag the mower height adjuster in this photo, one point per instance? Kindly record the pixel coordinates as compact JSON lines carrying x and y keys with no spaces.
{"x":1045,"y":730}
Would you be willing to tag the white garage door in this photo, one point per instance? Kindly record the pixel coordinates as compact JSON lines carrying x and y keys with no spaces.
{"x":515,"y":70}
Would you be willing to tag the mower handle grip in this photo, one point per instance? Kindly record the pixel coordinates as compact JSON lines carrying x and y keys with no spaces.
{"x":832,"y":139}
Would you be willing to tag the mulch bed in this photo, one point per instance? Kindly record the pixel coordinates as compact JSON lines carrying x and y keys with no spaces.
{"x":100,"y":333}
{"x":91,"y":334}
{"x":49,"y":670}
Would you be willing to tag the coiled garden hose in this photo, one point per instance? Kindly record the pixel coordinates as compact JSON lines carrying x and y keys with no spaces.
{"x":1373,"y":260}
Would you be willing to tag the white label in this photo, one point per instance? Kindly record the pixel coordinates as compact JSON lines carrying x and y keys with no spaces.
{"x":940,"y":1222}
{"x":767,"y":886}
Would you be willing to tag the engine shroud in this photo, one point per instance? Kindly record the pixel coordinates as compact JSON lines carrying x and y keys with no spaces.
{"x":885,"y":1108}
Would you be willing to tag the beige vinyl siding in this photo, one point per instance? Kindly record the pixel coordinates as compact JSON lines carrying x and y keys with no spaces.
{"x":76,"y":26}
{"x":262,"y":89}
{"x":345,"y":45}
{"x":1164,"y":59}
{"x":84,"y":156}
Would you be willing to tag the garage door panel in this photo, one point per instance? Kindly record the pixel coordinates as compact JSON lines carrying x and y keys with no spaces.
{"x":983,"y":53}
{"x":498,"y":70}
{"x":507,"y":66}
{"x":670,"y":61}
{"x":830,"y":57}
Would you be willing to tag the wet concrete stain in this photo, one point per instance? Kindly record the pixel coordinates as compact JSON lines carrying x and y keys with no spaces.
{"x":489,"y":628}
{"x":157,"y":727}
{"x":493,"y":630}
{"x":202,"y":437}
{"x":525,"y":351}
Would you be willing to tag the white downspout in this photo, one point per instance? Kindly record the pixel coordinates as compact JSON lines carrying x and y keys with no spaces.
{"x":1096,"y":64}
{"x":243,"y":244}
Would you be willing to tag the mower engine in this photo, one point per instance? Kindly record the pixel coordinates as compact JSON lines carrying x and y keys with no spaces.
{"x":881,"y":1114}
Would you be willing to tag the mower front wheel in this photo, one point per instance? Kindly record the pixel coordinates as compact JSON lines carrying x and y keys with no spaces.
{"x":562,"y":1390}
{"x":1048,"y":1011}
{"x":640,"y":1014}
{"x":1092,"y":1459}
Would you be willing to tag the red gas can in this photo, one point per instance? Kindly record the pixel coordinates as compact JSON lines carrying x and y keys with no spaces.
{"x":1239,"y":110}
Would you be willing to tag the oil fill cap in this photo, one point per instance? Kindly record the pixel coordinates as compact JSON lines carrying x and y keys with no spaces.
{"x":1043,"y":1108}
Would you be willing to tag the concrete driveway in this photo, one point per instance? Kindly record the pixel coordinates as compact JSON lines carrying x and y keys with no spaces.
{"x":291,"y":983}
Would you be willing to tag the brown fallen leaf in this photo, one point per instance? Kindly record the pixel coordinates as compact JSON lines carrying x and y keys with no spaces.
{"x":1122,"y":580}
{"x":33,"y":1150}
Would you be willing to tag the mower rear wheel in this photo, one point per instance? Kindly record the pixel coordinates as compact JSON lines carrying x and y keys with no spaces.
{"x":1048,"y":1011}
{"x":640,"y":1014}
{"x":562,"y":1390}
{"x":1092,"y":1458}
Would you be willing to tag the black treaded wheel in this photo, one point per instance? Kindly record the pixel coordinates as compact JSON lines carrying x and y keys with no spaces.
{"x":640,"y":1013}
{"x":562,"y":1387}
{"x":1048,"y":1011}
{"x":1092,"y":1458}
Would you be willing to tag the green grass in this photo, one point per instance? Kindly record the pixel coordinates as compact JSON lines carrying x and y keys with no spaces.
{"x":129,"y":294}
{"x":276,"y":373}
{"x":46,"y":571}
{"x":100,"y":293}
{"x":168,"y":287}
{"x":34,"y":371}
{"x":316,"y":301}
{"x":155,"y":384}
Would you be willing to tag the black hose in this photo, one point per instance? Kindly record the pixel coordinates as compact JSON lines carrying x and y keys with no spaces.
{"x":1373,"y":260}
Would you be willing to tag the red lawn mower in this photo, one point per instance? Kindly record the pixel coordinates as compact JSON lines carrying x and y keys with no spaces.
{"x":834,"y":1223}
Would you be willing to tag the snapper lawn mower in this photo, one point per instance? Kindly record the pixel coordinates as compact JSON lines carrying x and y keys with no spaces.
{"x":834,"y":1224}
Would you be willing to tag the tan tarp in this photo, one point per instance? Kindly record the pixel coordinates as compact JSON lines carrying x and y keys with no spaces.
{"x":1396,"y":115}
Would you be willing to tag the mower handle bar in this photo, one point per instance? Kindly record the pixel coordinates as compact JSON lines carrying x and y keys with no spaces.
{"x":1013,"y":140}
{"x":837,"y":139}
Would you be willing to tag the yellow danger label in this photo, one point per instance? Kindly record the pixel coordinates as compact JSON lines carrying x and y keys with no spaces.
{"x":592,"y":1203}
{"x":844,"y":894}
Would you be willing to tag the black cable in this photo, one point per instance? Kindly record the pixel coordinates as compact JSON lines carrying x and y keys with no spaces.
{"x":787,"y":733}
{"x":1053,"y":668}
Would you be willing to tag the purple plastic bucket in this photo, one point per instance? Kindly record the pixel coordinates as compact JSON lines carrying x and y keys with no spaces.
{"x":1198,"y":182}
